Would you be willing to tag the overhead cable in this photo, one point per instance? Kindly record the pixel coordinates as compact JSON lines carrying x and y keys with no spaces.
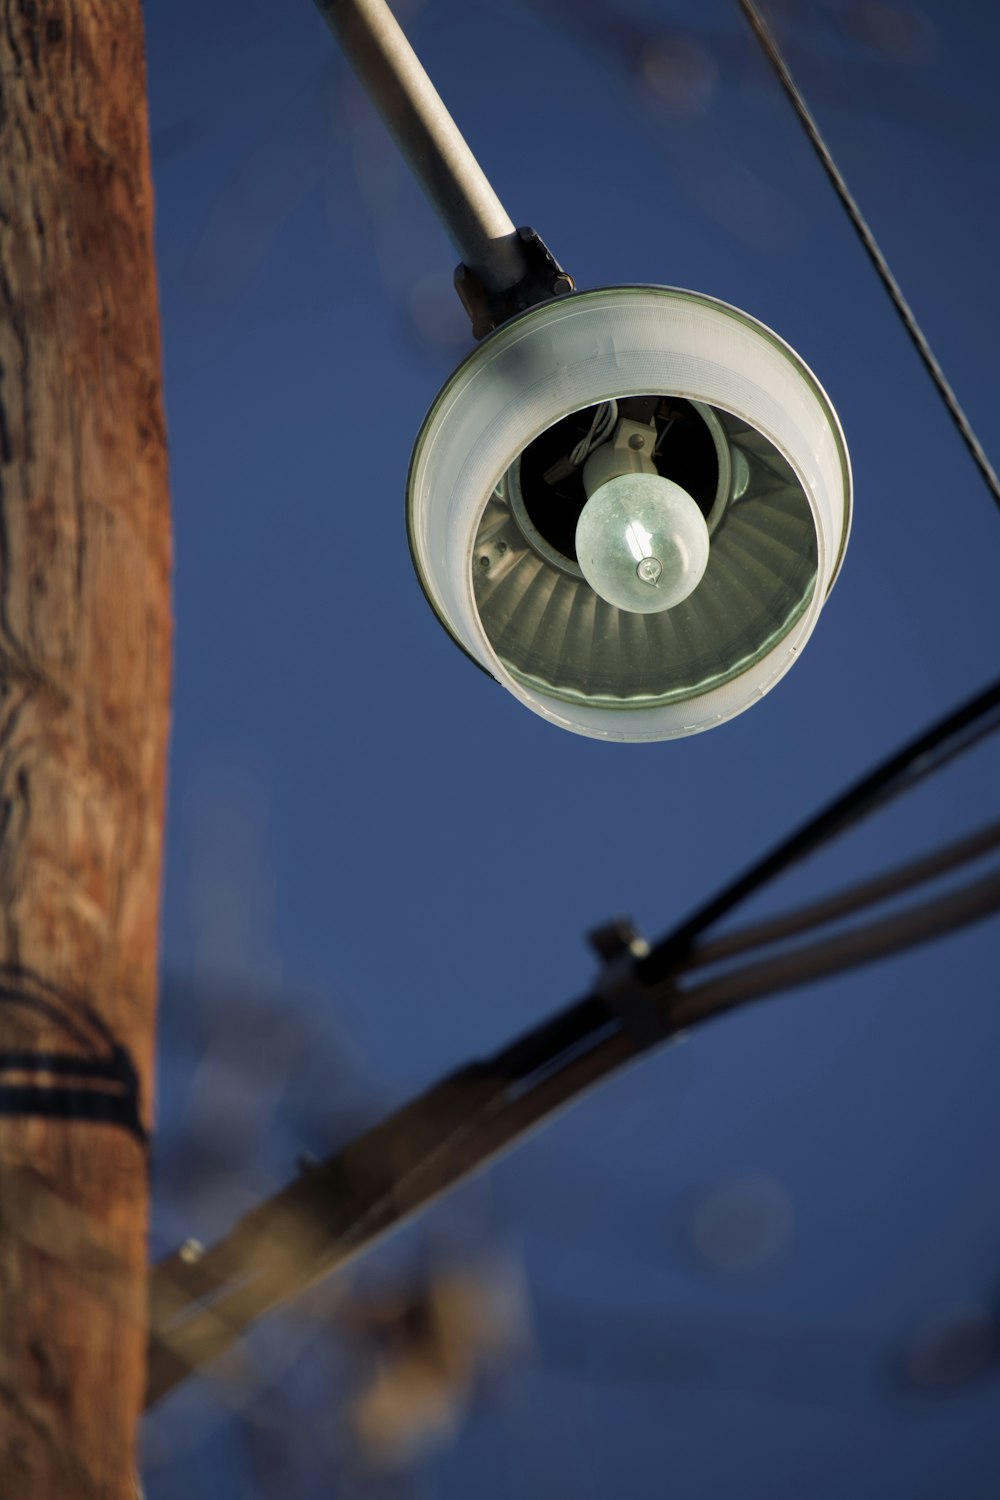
{"x":773,"y":53}
{"x":342,"y":1206}
{"x":926,"y":754}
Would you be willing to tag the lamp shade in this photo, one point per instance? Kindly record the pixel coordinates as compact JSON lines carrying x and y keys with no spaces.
{"x":727,"y":411}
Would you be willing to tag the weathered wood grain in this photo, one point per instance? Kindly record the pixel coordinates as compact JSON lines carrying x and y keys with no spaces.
{"x":84,"y":687}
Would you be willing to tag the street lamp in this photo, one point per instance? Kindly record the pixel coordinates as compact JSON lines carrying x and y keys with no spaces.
{"x":627,"y":504}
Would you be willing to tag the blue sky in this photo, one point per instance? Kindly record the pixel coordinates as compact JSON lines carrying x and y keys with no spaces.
{"x":372,"y":835}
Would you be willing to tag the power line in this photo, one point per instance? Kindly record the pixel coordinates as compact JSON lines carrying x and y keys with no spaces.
{"x":924,"y":755}
{"x":343,"y":1206}
{"x":331,"y":1214}
{"x":774,"y":56}
{"x":834,"y":908}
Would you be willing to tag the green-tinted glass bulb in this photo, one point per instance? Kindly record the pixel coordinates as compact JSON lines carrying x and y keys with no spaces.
{"x":642,"y":543}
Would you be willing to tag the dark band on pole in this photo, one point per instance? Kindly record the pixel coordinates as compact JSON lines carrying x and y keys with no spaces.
{"x":99,"y":1082}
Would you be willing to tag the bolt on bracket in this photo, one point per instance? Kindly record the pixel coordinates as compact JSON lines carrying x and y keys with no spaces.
{"x":543,"y":279}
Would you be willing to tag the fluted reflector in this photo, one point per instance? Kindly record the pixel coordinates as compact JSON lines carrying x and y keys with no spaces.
{"x":552,"y":632}
{"x":514,"y":597}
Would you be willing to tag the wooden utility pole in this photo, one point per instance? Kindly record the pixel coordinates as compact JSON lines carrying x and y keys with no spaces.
{"x":84,"y":685}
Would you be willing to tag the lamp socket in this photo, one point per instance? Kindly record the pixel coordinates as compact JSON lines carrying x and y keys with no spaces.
{"x":629,"y":450}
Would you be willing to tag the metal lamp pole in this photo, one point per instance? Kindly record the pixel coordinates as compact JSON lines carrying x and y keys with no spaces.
{"x":503,"y":269}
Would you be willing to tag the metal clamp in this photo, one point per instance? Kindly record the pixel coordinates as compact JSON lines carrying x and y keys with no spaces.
{"x":544,"y":278}
{"x":619,"y":945}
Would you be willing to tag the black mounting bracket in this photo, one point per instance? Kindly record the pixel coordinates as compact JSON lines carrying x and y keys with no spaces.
{"x":543,"y":279}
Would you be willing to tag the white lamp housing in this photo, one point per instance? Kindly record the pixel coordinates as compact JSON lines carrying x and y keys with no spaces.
{"x":778,"y":518}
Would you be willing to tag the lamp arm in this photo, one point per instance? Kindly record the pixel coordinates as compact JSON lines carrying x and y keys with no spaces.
{"x":503,"y":269}
{"x":434,"y":147}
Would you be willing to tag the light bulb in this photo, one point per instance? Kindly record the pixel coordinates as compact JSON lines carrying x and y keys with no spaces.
{"x":642,"y":543}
